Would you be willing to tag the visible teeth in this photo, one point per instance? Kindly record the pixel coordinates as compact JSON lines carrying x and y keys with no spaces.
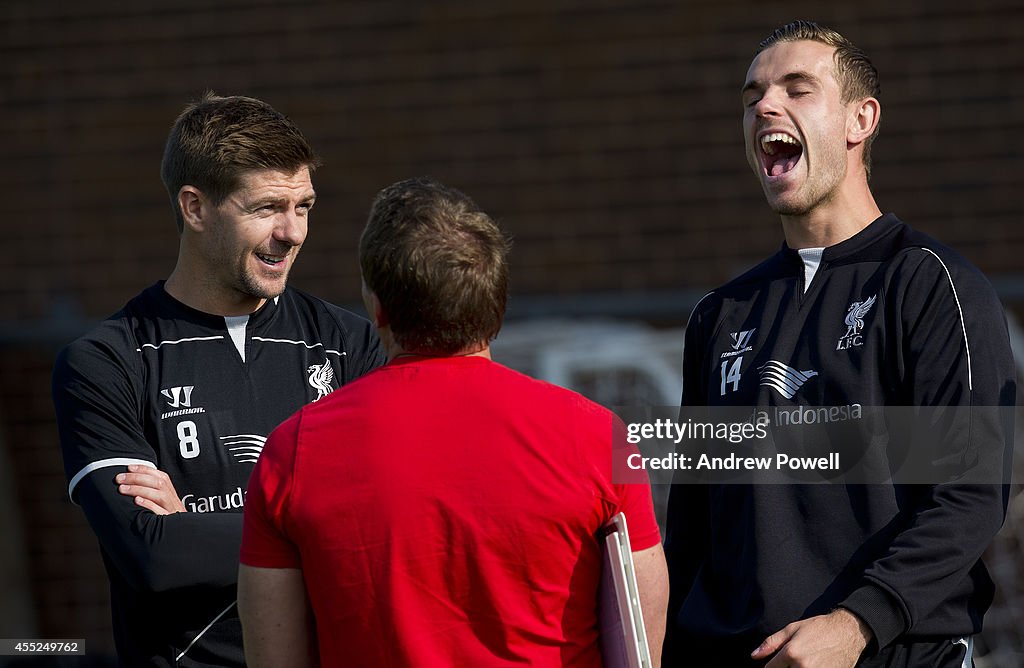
{"x":269,"y":258}
{"x":773,"y":137}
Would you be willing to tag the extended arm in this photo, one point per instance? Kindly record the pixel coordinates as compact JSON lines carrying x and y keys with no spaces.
{"x":652,"y":581}
{"x":277,"y":623}
{"x":835,"y":640}
{"x":953,"y":360}
{"x":954,"y":352}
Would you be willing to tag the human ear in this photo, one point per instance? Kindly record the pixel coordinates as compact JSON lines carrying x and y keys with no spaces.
{"x":192,"y":204}
{"x":863,"y":120}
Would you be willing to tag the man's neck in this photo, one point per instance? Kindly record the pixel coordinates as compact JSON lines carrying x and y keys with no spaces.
{"x":206,"y":297}
{"x":832,"y":222}
{"x":395,"y":351}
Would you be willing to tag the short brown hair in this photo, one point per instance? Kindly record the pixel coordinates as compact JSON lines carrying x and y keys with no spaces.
{"x":856,"y":74}
{"x":438,"y":265}
{"x":216,"y":139}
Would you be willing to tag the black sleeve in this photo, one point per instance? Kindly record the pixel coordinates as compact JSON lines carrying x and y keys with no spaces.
{"x":373,"y":355}
{"x":688,"y":523}
{"x":955,"y":352}
{"x":157,"y":553}
{"x":96,"y":395}
{"x":363,"y":348}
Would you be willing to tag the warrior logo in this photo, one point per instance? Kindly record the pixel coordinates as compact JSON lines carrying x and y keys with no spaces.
{"x":740,"y":342}
{"x":179,"y":397}
{"x":741,"y":339}
{"x":320,"y":377}
{"x":855,"y":315}
{"x":784,"y":379}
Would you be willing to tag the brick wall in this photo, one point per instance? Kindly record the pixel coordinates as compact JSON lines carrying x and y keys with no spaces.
{"x":605,"y":136}
{"x":60,"y":569}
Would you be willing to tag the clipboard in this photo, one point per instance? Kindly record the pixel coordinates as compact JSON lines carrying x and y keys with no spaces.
{"x":621,"y":620}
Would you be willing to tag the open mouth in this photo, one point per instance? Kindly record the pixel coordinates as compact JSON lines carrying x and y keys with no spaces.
{"x":779,"y":153}
{"x":272,"y":260}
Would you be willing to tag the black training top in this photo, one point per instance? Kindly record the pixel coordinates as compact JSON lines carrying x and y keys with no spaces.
{"x":891,"y":318}
{"x":167,"y":385}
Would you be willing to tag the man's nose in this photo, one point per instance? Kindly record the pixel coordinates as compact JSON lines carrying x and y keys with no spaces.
{"x":290,"y":228}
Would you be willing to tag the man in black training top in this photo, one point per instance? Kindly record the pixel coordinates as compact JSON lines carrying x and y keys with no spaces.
{"x":163,"y":409}
{"x":856,"y":309}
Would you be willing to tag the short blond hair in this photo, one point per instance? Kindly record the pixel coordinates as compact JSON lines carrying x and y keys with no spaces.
{"x":856,"y":74}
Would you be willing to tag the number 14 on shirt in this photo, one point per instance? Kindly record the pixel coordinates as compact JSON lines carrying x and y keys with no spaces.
{"x":731,"y":374}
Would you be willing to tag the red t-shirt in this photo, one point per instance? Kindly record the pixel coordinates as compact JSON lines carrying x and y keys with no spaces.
{"x":444,"y":512}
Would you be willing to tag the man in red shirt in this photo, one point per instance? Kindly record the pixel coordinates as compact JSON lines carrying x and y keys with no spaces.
{"x":444,"y":509}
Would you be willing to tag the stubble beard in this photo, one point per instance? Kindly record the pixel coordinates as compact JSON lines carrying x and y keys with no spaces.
{"x":249,"y":284}
{"x":817,"y":193}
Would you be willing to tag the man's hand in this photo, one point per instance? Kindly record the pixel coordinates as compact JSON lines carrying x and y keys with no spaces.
{"x":835,"y":640}
{"x":152,"y":489}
